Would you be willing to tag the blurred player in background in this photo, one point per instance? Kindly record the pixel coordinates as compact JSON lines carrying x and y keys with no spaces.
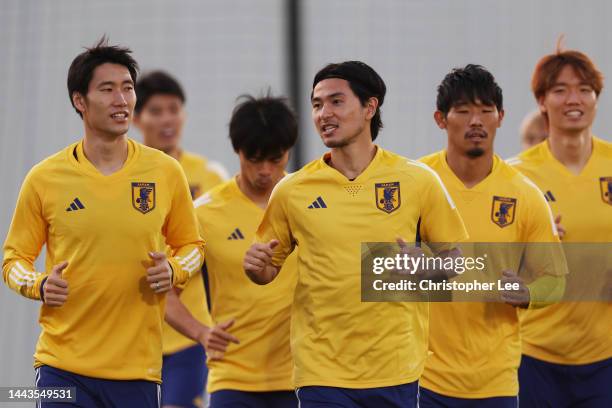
{"x":106,"y":207}
{"x":567,"y":348}
{"x":160,"y":116}
{"x":476,"y":346}
{"x":350,"y":353}
{"x":534,"y":129}
{"x":257,"y":371}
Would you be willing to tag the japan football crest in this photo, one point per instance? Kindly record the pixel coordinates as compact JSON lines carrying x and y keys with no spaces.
{"x":605,"y":185}
{"x":143,"y":197}
{"x":503,"y":210}
{"x":388,"y":196}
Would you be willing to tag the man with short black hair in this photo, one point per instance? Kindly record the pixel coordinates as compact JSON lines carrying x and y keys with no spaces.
{"x":350,"y":353}
{"x":160,"y":115}
{"x":476,"y":346}
{"x":106,"y":207}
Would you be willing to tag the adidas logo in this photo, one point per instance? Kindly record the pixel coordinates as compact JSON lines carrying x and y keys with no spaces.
{"x":549,"y":196}
{"x":237,"y":234}
{"x":75,"y":205}
{"x":318,"y":203}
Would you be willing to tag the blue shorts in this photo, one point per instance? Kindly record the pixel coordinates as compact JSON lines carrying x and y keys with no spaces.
{"x":96,"y":392}
{"x":430,"y":399}
{"x":250,"y":399}
{"x":397,"y":396}
{"x":184,"y":377}
{"x":543,"y":384}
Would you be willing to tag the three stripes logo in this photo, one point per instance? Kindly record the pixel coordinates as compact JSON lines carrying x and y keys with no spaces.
{"x":75,"y":205}
{"x":237,"y":234}
{"x":318,"y":203}
{"x":549,"y":196}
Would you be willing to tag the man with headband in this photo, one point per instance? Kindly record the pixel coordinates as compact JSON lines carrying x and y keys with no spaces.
{"x":350,"y":353}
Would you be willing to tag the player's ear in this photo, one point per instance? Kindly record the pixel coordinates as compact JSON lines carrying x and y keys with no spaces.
{"x":500,"y":119}
{"x":440,"y":119}
{"x":371,"y":107}
{"x":79,"y":102}
{"x":541,"y":104}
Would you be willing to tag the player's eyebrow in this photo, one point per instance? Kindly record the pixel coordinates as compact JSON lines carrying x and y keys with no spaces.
{"x":127,"y":81}
{"x":335,"y":94}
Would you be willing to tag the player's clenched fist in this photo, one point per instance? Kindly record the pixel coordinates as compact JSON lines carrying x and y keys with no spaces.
{"x":159,"y":275}
{"x":519,"y":297}
{"x":258,"y":262}
{"x":55,"y":289}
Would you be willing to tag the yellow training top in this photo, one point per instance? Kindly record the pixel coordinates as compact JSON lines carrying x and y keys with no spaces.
{"x":202,"y":174}
{"x":573,"y":332}
{"x":337,"y":340}
{"x":262,"y":361}
{"x":111,"y":324}
{"x":476,"y":345}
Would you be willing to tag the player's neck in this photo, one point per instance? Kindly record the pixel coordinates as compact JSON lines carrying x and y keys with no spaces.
{"x":108,"y":155}
{"x":175,"y":152}
{"x":573,"y":150}
{"x":470,"y":170}
{"x":259,"y":197}
{"x":351,"y":160}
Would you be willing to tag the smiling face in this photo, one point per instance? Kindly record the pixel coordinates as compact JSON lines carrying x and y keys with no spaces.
{"x":338,"y":115}
{"x":471,"y":127}
{"x":570,"y":103}
{"x":109,"y":104}
{"x":161,"y":122}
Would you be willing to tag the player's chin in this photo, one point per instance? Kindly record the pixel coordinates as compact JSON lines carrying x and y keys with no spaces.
{"x":118,"y":129}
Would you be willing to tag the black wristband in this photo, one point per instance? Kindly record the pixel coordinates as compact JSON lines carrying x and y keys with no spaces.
{"x":41,"y":291}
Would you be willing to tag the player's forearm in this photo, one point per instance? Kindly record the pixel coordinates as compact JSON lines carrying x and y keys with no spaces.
{"x":264,"y":276}
{"x":545,"y":291}
{"x":181,"y":319}
{"x":186,"y":262}
{"x":20,"y":276}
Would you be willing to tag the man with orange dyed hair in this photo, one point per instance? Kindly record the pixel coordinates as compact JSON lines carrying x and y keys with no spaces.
{"x":567,"y":347}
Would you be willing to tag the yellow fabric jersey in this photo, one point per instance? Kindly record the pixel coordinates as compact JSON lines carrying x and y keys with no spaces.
{"x":202,"y":175}
{"x":262,"y":361}
{"x":338,"y":340}
{"x":104,"y":226}
{"x":476,"y":346}
{"x":573,"y":332}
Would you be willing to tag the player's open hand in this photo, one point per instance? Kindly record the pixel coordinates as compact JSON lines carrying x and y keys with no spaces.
{"x":55,"y":289}
{"x":159,"y":275}
{"x":216,"y":340}
{"x":518,"y":298}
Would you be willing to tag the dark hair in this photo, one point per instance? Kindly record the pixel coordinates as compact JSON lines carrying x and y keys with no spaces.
{"x":263,"y":127}
{"x":363,"y":81}
{"x":468,"y":84}
{"x":82,"y":67}
{"x":155,"y":83}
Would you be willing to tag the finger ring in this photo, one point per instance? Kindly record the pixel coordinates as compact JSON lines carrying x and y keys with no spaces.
{"x":156,"y":285}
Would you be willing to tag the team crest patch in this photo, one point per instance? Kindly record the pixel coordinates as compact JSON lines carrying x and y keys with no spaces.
{"x":503,"y":210}
{"x":388,"y":196}
{"x":143,"y":197}
{"x":605,"y":184}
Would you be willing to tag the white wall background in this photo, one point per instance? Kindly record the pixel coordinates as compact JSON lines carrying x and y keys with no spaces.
{"x":221,"y":49}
